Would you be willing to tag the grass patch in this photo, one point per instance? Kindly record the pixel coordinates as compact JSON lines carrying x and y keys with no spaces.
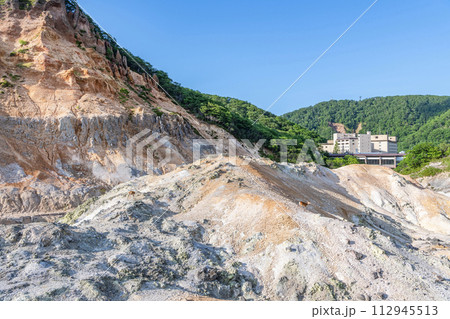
{"x":26,"y":4}
{"x":25,"y":65}
{"x":5,"y":84}
{"x":14,"y":53}
{"x":124,"y":95}
{"x":23,"y":43}
{"x":428,"y":171}
{"x":79,"y":44}
{"x":72,"y":217}
{"x":446,"y":163}
{"x":14,"y":77}
{"x":22,"y":51}
{"x":109,"y":54}
{"x":157,"y":111}
{"x":145,"y":94}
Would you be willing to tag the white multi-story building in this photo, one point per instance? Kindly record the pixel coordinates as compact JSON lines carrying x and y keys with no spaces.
{"x":347,"y":143}
{"x":360,"y":143}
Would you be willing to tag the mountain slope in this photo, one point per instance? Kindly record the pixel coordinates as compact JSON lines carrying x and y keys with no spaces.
{"x":71,"y":100}
{"x":67,"y":112}
{"x":435,"y":130}
{"x":215,"y":110}
{"x":401,"y":116}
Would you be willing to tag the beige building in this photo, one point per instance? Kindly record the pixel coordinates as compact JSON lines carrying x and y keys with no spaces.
{"x":384,"y":144}
{"x":328,"y":146}
{"x":360,"y":143}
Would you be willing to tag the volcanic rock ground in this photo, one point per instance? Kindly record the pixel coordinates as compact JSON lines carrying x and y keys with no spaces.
{"x":222,"y":229}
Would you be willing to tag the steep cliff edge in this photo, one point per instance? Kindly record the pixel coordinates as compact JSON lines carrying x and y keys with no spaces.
{"x":68,"y":106}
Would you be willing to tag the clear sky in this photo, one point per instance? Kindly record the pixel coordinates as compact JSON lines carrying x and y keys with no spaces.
{"x":254,"y":49}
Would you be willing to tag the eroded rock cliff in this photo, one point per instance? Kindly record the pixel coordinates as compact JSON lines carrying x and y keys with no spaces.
{"x":68,"y":107}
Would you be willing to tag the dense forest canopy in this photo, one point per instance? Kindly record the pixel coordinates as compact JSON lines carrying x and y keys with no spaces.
{"x":435,"y":130}
{"x":413,"y":118}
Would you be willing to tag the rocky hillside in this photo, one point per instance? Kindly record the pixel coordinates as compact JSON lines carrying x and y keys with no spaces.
{"x":71,"y":100}
{"x":68,"y":109}
{"x":436,"y":176}
{"x":225,"y":230}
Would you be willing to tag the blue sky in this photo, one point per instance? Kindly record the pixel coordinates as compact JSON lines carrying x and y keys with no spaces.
{"x":254,"y":49}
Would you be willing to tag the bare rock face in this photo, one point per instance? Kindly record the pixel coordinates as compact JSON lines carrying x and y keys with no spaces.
{"x":439,"y":183}
{"x":69,"y":105}
{"x":63,"y":161}
{"x":397,"y":196}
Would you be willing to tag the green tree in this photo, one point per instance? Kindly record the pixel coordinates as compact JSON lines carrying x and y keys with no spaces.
{"x":336,"y":148}
{"x":350,"y":160}
{"x":421,"y":155}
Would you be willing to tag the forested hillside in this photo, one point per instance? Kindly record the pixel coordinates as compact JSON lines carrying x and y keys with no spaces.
{"x":242,"y":119}
{"x":435,"y":130}
{"x":413,"y":118}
